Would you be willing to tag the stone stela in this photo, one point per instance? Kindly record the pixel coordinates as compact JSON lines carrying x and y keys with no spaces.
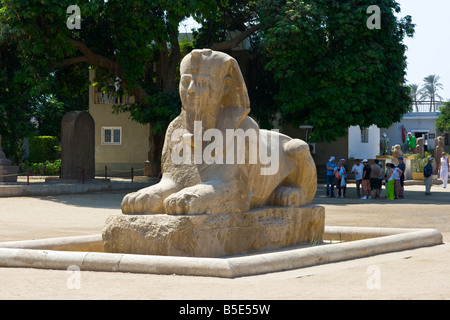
{"x":77,"y":146}
{"x":211,"y":209}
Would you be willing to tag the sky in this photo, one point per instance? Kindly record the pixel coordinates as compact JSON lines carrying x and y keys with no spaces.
{"x":429,"y":50}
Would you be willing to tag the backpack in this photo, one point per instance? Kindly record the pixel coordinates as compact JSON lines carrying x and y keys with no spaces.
{"x":427,"y":171}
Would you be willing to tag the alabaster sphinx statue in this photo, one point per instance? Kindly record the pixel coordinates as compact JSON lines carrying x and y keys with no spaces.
{"x":215,"y":158}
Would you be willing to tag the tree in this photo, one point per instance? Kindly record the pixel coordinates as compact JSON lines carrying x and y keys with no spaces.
{"x":317,"y":59}
{"x":136,"y":41}
{"x":332,"y":71}
{"x":429,"y":90}
{"x":414,"y":89}
{"x":15,"y":108}
{"x":443,"y":121}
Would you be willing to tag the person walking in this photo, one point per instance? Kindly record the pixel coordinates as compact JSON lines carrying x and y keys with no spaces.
{"x":390,"y":188}
{"x":366,"y":180}
{"x":357,"y":170}
{"x":402,"y":166}
{"x":443,"y":169}
{"x":427,"y":172}
{"x":331,"y":165}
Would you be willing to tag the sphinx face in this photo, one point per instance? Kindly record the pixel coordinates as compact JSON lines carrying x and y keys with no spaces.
{"x":202,"y":87}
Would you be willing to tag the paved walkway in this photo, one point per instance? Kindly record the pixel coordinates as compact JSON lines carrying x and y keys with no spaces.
{"x":413,"y":274}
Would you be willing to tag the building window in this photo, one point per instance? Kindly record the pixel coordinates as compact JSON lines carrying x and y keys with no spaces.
{"x":112,"y":135}
{"x":364,"y":135}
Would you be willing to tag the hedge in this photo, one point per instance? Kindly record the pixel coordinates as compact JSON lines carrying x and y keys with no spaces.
{"x":43,"y":148}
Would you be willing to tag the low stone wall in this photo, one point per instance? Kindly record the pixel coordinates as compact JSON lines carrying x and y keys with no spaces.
{"x":43,"y":189}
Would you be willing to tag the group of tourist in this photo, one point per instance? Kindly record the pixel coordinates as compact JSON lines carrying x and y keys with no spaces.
{"x":368,"y":177}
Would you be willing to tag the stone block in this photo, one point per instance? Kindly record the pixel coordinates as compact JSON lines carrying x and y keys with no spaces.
{"x":8,"y":173}
{"x":214,"y":235}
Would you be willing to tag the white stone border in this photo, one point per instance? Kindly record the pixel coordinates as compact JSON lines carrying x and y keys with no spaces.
{"x":45,"y":254}
{"x":53,"y":189}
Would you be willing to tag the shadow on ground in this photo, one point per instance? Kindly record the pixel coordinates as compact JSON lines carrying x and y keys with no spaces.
{"x":105,"y":200}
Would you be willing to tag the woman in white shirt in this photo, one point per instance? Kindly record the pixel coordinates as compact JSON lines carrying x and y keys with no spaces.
{"x":443,"y":169}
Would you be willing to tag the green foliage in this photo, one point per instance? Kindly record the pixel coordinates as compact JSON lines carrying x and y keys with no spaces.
{"x":419,"y":163}
{"x":443,"y":121}
{"x":43,"y":148}
{"x":15,"y":107}
{"x":332,"y":71}
{"x":46,"y":168}
{"x":323,"y":66}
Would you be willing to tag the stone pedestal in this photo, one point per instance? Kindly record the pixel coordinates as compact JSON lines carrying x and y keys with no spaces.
{"x":214,"y":235}
{"x":8,"y":173}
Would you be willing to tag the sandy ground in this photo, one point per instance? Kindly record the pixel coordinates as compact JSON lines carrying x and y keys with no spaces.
{"x":413,"y":274}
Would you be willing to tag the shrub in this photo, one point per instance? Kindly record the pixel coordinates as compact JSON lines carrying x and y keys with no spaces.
{"x":419,"y":163}
{"x":46,"y":168}
{"x":43,"y":148}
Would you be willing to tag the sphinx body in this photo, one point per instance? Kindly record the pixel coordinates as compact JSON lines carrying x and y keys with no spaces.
{"x":203,"y":173}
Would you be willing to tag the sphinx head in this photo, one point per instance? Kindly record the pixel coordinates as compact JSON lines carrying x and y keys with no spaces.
{"x":210,"y":82}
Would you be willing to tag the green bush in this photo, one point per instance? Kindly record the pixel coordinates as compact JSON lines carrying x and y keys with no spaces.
{"x":419,"y":163}
{"x":43,"y":148}
{"x":46,"y":168}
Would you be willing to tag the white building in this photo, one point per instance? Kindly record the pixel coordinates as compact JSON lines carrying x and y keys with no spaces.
{"x":420,"y":124}
{"x":363,"y":142}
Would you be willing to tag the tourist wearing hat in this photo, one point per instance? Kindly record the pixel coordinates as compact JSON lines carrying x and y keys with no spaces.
{"x":427,"y":172}
{"x":366,"y":180}
{"x":443,"y":169}
{"x":338,"y":177}
{"x":331,"y":165}
{"x":402,"y":166}
{"x":344,"y":174}
{"x":357,"y":170}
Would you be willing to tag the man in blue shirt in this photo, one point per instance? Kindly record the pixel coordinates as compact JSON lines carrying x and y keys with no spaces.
{"x":331,"y":165}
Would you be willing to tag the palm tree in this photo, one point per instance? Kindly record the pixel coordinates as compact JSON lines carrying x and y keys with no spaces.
{"x":430,"y":88}
{"x":415,"y":94}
